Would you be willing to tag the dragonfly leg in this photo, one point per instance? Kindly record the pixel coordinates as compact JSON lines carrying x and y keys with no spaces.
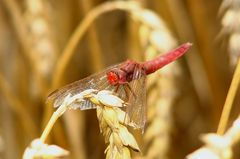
{"x":116,"y":88}
{"x":126,"y":92}
{"x":130,"y":89}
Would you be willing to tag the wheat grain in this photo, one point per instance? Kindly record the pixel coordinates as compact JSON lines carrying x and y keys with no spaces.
{"x":112,"y":125}
{"x":37,"y":149}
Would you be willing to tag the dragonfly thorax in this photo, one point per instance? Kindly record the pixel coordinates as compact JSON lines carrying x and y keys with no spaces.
{"x":124,"y":73}
{"x":117,"y":76}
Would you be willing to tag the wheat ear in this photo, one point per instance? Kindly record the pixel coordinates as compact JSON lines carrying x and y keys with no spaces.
{"x":112,"y":122}
{"x":218,"y":147}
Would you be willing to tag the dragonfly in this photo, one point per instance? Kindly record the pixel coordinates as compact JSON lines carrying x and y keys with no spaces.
{"x":126,"y":80}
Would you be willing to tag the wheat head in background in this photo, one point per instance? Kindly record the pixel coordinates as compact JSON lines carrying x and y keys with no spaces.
{"x":161,"y":86}
{"x":230,"y":27}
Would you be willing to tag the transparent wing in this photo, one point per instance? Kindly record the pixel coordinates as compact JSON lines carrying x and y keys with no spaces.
{"x":83,"y":105}
{"x":96,"y":81}
{"x":137,"y":99}
{"x":133,"y":93}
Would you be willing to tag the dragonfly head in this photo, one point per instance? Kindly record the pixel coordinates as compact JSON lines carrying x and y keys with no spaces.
{"x":112,"y":77}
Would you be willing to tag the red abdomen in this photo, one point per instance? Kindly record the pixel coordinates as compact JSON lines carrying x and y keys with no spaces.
{"x":162,"y":60}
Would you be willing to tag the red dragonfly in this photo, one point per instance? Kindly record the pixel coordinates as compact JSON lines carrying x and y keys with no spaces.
{"x":126,"y":80}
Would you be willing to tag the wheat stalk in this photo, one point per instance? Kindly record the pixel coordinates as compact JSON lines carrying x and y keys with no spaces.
{"x":229,"y":100}
{"x":231,"y":24}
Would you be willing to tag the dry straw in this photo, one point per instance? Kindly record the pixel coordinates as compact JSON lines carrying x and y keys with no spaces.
{"x":229,"y":100}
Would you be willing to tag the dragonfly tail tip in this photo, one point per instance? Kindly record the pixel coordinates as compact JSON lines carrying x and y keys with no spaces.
{"x":188,"y":44}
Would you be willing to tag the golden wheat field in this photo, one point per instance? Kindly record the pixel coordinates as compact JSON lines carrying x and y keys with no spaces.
{"x":188,"y":109}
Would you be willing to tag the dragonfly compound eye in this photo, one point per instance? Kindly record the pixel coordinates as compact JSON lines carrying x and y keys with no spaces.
{"x":112,"y":78}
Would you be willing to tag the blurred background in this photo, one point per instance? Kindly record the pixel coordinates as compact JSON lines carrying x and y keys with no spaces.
{"x":47,"y":44}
